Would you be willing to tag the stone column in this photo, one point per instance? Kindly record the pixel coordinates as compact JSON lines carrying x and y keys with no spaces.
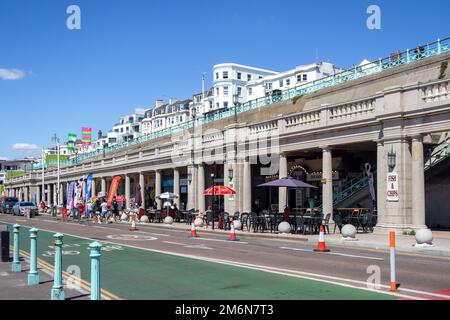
{"x":142,"y":185}
{"x":158,"y":188}
{"x":201,"y":188}
{"x":50,"y":195}
{"x":128,"y":191}
{"x":176,"y":185}
{"x":381,"y":182}
{"x":327,"y":187}
{"x":418,"y":183}
{"x":247,"y":186}
{"x":93,"y":189}
{"x":192,"y":195}
{"x":61,"y":194}
{"x":104,"y":186}
{"x":282,"y":192}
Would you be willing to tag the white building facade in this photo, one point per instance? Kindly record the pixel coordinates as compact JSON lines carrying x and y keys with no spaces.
{"x":127,"y":129}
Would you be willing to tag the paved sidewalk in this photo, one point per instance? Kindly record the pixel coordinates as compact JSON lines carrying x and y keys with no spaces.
{"x":441,"y":242}
{"x":14,"y":286}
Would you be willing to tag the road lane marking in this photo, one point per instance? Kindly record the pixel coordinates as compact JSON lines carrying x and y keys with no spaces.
{"x":219,"y":240}
{"x":286,"y":272}
{"x":155,"y":234}
{"x":175,"y":243}
{"x":333,"y":253}
{"x":198,"y":246}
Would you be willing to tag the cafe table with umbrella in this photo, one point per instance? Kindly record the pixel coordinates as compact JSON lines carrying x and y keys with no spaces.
{"x":288,"y":182}
{"x":168,"y":196}
{"x":218,"y":191}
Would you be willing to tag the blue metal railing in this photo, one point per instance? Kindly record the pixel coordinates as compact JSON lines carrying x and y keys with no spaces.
{"x":393,"y":61}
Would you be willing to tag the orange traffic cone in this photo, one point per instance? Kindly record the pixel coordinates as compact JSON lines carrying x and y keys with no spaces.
{"x":232,"y":233}
{"x":321,"y":247}
{"x":133,"y":226}
{"x":193,"y":230}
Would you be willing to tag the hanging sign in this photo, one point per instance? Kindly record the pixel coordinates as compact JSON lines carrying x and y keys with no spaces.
{"x":392,"y":187}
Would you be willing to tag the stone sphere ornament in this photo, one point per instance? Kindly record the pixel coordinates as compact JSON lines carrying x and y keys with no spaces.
{"x":168,"y":220}
{"x":198,"y":222}
{"x":144,"y":219}
{"x":124,"y":217}
{"x":284,"y":227}
{"x":237,"y":224}
{"x":424,"y":237}
{"x":349,"y":231}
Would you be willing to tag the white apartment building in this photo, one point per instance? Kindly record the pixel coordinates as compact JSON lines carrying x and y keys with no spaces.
{"x":127,"y":129}
{"x":231,"y":79}
{"x":262,"y":87}
{"x":164,"y":116}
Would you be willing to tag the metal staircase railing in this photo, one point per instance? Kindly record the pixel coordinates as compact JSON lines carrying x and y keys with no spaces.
{"x":350,"y":188}
{"x":440,"y":153}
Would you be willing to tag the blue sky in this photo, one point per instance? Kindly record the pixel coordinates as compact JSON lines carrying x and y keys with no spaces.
{"x":131,"y":52}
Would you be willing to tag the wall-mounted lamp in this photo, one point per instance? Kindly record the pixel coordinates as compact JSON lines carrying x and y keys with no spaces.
{"x":230,"y":174}
{"x":189,"y":177}
{"x":391,"y":160}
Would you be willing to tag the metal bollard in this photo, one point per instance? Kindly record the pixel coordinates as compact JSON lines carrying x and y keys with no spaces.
{"x":58,"y":289}
{"x":33,"y":275}
{"x":392,"y":258}
{"x":95,"y":255}
{"x":16,"y":265}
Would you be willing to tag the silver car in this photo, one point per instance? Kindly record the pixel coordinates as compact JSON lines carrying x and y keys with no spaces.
{"x":19,"y":208}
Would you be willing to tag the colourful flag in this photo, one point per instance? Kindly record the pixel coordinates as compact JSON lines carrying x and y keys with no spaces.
{"x":86,"y":136}
{"x":89,"y":182}
{"x":70,"y":195}
{"x":72,"y":138}
{"x":113,"y":189}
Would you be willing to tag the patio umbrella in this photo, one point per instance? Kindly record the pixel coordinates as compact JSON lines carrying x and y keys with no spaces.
{"x":137,"y":195}
{"x":219,"y":191}
{"x":167,"y":196}
{"x":288,"y":182}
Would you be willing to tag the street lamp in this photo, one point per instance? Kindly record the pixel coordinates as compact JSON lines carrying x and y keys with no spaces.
{"x":391,"y":160}
{"x":235,"y":103}
{"x":213,"y":196}
{"x":55,"y":139}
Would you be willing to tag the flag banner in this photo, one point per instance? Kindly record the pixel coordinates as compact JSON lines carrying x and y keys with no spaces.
{"x":70,"y":196}
{"x":89,"y":182}
{"x":72,"y":138}
{"x":86,"y":136}
{"x":113,"y":189}
{"x":78,"y":192}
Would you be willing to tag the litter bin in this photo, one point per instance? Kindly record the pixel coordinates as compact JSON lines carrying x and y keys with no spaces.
{"x":54,"y":211}
{"x":4,"y":239}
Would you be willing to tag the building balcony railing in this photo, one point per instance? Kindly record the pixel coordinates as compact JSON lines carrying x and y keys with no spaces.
{"x":393,"y":61}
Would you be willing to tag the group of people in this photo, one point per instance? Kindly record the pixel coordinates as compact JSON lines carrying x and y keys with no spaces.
{"x":100,"y":211}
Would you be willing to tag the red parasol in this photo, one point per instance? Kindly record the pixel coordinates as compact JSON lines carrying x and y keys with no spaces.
{"x":218,"y":191}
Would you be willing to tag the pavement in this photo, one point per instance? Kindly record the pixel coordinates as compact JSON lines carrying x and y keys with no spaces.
{"x":163,"y":263}
{"x":404,"y":243}
{"x":14,"y":286}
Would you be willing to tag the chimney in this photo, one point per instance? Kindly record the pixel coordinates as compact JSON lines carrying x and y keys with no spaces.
{"x":159,"y":103}
{"x":172,"y":100}
{"x":100,"y":134}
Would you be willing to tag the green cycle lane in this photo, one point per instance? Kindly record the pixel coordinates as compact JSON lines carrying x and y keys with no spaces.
{"x":138,"y":274}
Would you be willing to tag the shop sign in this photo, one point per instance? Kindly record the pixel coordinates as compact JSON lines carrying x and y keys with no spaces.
{"x":392,"y":187}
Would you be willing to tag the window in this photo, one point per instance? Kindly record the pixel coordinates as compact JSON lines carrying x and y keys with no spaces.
{"x":288,"y":82}
{"x":217,"y":75}
{"x":305,"y":77}
{"x":281,"y":83}
{"x":225,"y":75}
{"x":217,"y":105}
{"x":302,"y":77}
{"x":260,"y":77}
{"x":239,"y":91}
{"x":239,"y":76}
{"x":249,"y":77}
{"x":210,"y":105}
{"x":269,"y":86}
{"x":225,"y":104}
{"x":217,"y":91}
{"x":225,"y":91}
{"x":250,"y":91}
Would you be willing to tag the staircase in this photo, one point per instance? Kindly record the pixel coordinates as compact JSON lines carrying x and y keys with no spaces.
{"x":440,"y":152}
{"x":352,"y":188}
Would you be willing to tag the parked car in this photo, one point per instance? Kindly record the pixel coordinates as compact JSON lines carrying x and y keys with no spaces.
{"x":7,"y":204}
{"x":19,"y":208}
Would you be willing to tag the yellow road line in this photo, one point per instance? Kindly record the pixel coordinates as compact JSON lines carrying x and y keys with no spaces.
{"x":85,"y":285}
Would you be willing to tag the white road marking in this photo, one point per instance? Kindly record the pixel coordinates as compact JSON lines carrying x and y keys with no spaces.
{"x":201,"y":246}
{"x":334,"y":253}
{"x":219,"y":240}
{"x":175,"y":243}
{"x":154,"y":234}
{"x":286,"y":272}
